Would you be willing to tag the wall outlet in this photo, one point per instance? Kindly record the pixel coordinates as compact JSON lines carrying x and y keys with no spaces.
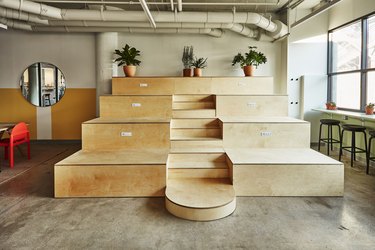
{"x":126,"y":134}
{"x":135,"y":104}
{"x":143,"y":85}
{"x":265,"y":133}
{"x":252,"y":104}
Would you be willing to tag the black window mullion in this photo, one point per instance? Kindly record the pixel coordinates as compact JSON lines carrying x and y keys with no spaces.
{"x":364,"y":64}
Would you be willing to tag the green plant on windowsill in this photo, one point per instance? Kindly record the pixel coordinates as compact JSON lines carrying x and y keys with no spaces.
{"x":331,"y":105}
{"x":369,"y":109}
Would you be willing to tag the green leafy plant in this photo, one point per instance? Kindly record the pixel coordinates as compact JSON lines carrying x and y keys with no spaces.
{"x":199,"y":63}
{"x":127,"y":56}
{"x":370,"y":105}
{"x":252,"y":57}
{"x":332,"y":104}
{"x":188,"y":56}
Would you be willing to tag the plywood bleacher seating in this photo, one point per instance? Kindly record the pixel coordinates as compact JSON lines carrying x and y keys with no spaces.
{"x":198,"y":142}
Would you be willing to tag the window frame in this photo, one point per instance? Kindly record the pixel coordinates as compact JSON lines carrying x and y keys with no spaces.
{"x":363,"y":65}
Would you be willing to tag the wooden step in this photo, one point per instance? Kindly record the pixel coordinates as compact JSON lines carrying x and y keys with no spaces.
{"x":197,"y":150}
{"x":193,"y":98}
{"x":194,"y":113}
{"x":194,"y":157}
{"x":200,"y":199}
{"x":285,"y":172}
{"x":195,"y":123}
{"x":129,"y":173}
{"x":198,"y":164}
{"x":135,"y":107}
{"x":196,"y":132}
{"x":193,"y":105}
{"x":196,"y":143}
{"x":198,"y":173}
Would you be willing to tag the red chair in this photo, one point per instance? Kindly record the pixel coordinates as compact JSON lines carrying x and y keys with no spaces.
{"x":19,"y":134}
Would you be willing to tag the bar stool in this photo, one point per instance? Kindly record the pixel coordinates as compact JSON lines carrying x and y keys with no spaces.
{"x":369,"y":158}
{"x":353,"y":149}
{"x":329,"y":140}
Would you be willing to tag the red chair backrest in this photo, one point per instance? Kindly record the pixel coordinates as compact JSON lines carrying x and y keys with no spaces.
{"x":20,"y":133}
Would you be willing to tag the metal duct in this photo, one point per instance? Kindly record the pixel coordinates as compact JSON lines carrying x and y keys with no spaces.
{"x":31,"y":7}
{"x":13,"y":14}
{"x":15,"y":24}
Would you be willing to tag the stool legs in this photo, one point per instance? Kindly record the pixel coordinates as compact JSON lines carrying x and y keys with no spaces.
{"x":353,"y":148}
{"x":368,"y":156}
{"x":320,"y":136}
{"x":329,"y":140}
{"x":342,"y":138}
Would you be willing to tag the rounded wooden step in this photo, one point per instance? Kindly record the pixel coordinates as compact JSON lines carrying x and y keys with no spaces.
{"x":200,"y":199}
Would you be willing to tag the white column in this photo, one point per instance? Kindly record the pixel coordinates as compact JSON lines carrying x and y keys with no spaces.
{"x":106,"y":43}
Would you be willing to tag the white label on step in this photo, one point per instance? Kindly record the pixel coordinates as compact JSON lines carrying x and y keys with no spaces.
{"x":127,"y":134}
{"x":252,"y":104}
{"x":265,"y":133}
{"x":241,"y":84}
{"x":143,"y":85}
{"x":135,"y":104}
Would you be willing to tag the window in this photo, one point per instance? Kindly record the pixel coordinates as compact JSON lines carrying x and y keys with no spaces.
{"x":351,"y":64}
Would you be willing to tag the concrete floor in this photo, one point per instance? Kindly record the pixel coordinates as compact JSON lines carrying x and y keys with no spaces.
{"x":31,"y":219}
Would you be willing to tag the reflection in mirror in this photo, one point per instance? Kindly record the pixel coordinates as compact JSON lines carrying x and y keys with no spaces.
{"x":42,"y":84}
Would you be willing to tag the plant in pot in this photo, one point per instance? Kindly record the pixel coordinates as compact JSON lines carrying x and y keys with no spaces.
{"x":187,"y":60}
{"x":249,"y":60}
{"x":127,"y":57}
{"x":331,"y":106}
{"x":199,"y":64}
{"x":369,"y":109}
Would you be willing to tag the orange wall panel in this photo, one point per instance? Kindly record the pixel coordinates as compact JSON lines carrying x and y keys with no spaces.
{"x":14,"y":108}
{"x":77,"y":106}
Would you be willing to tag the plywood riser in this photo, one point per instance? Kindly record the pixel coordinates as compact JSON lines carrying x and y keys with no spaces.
{"x":197,"y":86}
{"x":110,"y":181}
{"x":158,"y":107}
{"x":284,"y":135}
{"x":196,"y":144}
{"x":196,"y":157}
{"x":193,"y":105}
{"x":251,"y":106}
{"x":195,"y":123}
{"x":197,"y":173}
{"x":196,"y":132}
{"x":193,"y":98}
{"x":200,"y":113}
{"x":108,"y":136}
{"x":288,"y":180}
{"x":200,"y":214}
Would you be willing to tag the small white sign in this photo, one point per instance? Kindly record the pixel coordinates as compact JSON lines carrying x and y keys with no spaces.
{"x":265,"y":133}
{"x":126,"y":134}
{"x":252,"y":104}
{"x":143,"y":85}
{"x":135,"y":104}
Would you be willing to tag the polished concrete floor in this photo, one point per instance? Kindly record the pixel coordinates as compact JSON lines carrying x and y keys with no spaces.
{"x":31,"y":219}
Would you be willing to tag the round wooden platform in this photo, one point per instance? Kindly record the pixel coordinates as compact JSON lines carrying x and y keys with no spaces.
{"x":200,"y":199}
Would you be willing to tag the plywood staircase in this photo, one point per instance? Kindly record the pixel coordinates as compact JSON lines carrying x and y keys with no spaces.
{"x":199,"y":142}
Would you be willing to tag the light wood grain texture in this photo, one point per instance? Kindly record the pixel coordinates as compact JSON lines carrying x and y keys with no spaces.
{"x":195,"y":123}
{"x":194,"y":157}
{"x":196,"y":132}
{"x":110,"y":180}
{"x":215,"y":143}
{"x":193,"y":105}
{"x":203,"y":192}
{"x":197,"y":150}
{"x":108,"y":136}
{"x":242,"y":86}
{"x":193,"y":85}
{"x":197,"y":173}
{"x":142,"y":86}
{"x":288,"y":180}
{"x":194,"y":113}
{"x":249,"y":135}
{"x":251,"y":106}
{"x":136,"y":107}
{"x":261,"y":119}
{"x":193,"y":98}
{"x":101,"y":120}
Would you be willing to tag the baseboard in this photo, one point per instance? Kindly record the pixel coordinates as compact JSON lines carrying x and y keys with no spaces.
{"x":55,"y":141}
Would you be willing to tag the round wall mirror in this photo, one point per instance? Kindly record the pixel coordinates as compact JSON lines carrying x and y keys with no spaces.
{"x":42,"y":84}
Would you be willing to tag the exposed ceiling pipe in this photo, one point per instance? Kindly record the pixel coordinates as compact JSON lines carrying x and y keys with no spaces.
{"x":163,"y":3}
{"x":148,"y":13}
{"x":31,"y":7}
{"x":3,"y":26}
{"x":15,"y":24}
{"x":243,"y":30}
{"x":179,"y":5}
{"x":172,"y":5}
{"x":211,"y":32}
{"x":13,"y":14}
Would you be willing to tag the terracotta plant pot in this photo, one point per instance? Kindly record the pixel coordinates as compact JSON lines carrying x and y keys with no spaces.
{"x":197,"y":72}
{"x":330,"y":107}
{"x":130,"y":70}
{"x":187,"y":72}
{"x":248,"y":70}
{"x":369,"y":111}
